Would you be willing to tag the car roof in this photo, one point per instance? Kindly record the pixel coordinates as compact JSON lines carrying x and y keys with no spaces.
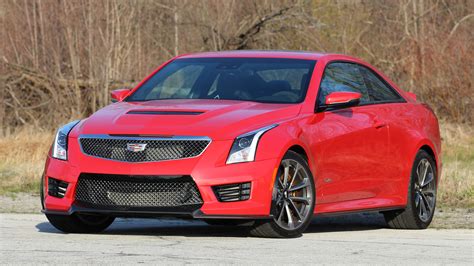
{"x":262,"y":54}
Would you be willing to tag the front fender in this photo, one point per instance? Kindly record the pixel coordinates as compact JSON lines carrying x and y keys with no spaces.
{"x":275,"y":143}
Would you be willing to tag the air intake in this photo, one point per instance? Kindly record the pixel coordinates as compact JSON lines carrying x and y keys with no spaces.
{"x":143,"y":149}
{"x":123,"y":192}
{"x":233,"y":192}
{"x":57,"y":188}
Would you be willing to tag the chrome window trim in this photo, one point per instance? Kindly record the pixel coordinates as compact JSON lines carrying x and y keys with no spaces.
{"x":171,"y":138}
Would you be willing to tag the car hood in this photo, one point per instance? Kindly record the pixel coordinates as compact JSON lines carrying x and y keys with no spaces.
{"x":217,"y":119}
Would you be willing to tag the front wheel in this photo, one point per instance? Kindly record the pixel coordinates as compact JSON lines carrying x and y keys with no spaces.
{"x":80,"y":223}
{"x":293,"y":200}
{"x":421,"y":196}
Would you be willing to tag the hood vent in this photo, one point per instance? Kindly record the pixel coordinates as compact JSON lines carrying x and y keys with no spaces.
{"x":152,"y":112}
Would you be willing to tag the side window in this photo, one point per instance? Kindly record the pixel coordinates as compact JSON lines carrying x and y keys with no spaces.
{"x":378,"y":90}
{"x":342,"y":77}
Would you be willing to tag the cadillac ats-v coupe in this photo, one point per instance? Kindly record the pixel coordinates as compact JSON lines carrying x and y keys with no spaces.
{"x":269,"y":138}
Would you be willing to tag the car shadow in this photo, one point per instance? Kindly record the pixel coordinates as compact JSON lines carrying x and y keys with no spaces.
{"x":196,"y":228}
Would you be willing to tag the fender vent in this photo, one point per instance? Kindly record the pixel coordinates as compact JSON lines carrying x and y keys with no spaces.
{"x":233,"y":192}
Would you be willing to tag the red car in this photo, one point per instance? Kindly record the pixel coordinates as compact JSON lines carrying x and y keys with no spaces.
{"x":267,"y":138}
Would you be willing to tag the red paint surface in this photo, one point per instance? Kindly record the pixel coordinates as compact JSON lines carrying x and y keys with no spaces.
{"x":360,"y":157}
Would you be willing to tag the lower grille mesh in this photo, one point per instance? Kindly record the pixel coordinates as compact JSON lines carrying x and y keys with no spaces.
{"x":176,"y":193}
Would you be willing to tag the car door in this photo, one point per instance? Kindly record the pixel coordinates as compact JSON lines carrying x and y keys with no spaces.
{"x":350,"y":142}
{"x":392,"y":109}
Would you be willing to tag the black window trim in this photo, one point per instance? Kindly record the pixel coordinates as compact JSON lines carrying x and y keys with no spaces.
{"x":320,"y":110}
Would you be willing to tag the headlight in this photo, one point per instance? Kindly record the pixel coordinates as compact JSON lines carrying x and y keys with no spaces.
{"x":60,"y":141}
{"x":245,"y":146}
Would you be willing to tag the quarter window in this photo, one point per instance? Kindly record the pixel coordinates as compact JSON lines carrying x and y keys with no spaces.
{"x":378,"y":90}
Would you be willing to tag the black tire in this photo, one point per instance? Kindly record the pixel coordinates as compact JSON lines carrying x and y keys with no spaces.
{"x":271,"y":228}
{"x":80,"y":223}
{"x":410,"y":217}
{"x":227,"y":222}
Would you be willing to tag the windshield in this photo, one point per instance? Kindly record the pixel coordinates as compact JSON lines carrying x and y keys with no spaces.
{"x":272,"y":80}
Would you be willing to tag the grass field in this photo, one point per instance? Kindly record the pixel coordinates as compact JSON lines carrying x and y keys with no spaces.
{"x":22,"y":160}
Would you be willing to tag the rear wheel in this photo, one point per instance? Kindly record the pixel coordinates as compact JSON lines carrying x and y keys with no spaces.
{"x":293,"y":200}
{"x":421,"y":196}
{"x":80,"y":223}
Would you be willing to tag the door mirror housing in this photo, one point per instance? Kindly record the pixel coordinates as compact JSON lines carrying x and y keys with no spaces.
{"x":119,"y":95}
{"x":342,"y":99}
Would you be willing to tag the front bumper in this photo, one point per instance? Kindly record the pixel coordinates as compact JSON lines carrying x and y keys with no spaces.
{"x":206,"y":171}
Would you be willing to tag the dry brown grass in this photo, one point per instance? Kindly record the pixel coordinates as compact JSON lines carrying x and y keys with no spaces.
{"x":456,"y":188}
{"x":22,"y":160}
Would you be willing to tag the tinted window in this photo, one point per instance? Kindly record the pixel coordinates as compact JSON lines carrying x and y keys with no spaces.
{"x":378,"y":90}
{"x":248,"y":79}
{"x":178,"y":83}
{"x":342,"y":77}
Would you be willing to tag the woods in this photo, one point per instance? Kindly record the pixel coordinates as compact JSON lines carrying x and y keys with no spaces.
{"x":60,"y":59}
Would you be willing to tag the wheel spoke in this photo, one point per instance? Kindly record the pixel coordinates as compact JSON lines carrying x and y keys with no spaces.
{"x":291,"y":225}
{"x":429,"y":191}
{"x":300,"y":199}
{"x":295,"y":210}
{"x":285,"y":175}
{"x":425,"y":171}
{"x":298,"y":166}
{"x":427,"y":202}
{"x":427,"y":180}
{"x":280,"y":216}
{"x":280,"y":184}
{"x":422,"y":208}
{"x":417,"y":199}
{"x":302,"y":185}
{"x":419,"y":171}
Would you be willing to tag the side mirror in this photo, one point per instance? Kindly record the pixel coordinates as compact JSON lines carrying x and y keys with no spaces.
{"x":119,"y":95}
{"x":342,"y":99}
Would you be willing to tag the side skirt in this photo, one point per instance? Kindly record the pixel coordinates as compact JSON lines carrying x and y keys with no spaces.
{"x":337,"y":213}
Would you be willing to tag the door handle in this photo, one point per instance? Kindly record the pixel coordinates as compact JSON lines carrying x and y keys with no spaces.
{"x":378,"y":124}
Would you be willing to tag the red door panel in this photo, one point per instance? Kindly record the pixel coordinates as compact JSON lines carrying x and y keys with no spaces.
{"x":349,"y":147}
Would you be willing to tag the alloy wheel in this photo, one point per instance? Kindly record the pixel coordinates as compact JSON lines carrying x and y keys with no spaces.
{"x":425,"y":190}
{"x":294,"y":196}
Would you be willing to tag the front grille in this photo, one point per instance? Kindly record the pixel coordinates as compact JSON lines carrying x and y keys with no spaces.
{"x":121,"y":148}
{"x":233,"y":192}
{"x":121,"y":192}
{"x":57,"y":188}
